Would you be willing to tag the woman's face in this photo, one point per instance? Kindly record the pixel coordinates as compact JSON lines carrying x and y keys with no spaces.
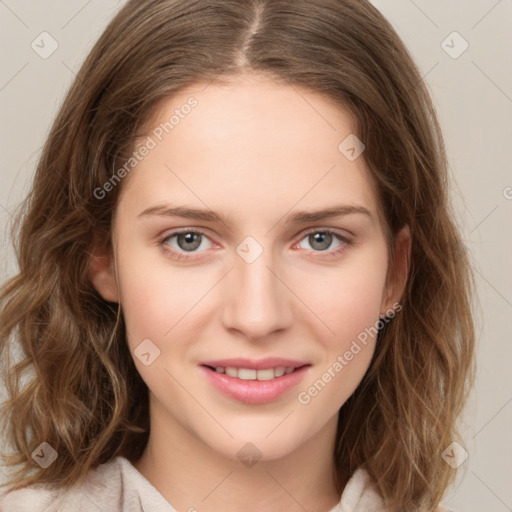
{"x":261,"y":279}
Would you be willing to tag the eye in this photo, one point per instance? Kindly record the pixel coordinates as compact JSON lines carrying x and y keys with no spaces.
{"x":322,"y":240}
{"x":179,"y":243}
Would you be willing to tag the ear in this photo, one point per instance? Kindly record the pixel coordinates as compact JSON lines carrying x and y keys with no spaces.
{"x":101,"y":272}
{"x":397,"y":273}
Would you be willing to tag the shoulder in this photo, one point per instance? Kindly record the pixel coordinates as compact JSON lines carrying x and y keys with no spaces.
{"x":85,"y":497}
{"x":361,"y":494}
{"x":35,"y":498}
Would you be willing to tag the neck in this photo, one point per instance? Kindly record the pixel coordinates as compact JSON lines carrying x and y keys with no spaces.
{"x":192,"y":476}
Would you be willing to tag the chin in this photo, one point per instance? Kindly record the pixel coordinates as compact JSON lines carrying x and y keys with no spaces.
{"x":258,"y":447}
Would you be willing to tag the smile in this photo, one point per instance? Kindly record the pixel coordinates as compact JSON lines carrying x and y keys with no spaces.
{"x":251,"y":386}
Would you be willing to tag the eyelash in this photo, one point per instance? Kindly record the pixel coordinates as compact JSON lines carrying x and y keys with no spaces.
{"x":180,"y":256}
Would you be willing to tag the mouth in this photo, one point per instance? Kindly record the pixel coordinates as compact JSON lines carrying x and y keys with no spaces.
{"x":254,"y":382}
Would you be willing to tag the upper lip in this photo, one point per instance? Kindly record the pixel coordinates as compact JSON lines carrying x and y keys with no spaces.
{"x":255,"y":364}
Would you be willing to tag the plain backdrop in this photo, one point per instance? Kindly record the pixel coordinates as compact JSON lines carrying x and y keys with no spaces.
{"x":469,"y":74}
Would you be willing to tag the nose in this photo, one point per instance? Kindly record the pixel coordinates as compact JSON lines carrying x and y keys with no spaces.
{"x":257,"y":300}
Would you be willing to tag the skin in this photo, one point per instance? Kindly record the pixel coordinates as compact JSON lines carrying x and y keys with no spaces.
{"x":254,"y":151}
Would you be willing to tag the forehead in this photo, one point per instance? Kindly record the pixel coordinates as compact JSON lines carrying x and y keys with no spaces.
{"x":254,"y":110}
{"x":250,"y":144}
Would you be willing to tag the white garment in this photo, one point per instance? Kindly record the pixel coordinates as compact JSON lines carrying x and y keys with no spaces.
{"x":117,"y":486}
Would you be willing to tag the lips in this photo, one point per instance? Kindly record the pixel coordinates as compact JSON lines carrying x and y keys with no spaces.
{"x":254,"y":381}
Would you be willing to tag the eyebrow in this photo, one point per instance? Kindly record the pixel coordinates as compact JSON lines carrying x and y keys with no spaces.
{"x":297,"y":217}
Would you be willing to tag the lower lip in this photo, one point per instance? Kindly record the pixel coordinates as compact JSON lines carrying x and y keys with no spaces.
{"x":255,"y":391}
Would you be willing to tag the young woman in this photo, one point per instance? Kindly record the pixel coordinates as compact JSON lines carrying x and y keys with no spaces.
{"x":313,"y":347}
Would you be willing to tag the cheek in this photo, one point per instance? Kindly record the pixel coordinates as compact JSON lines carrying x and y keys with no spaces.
{"x":157,"y":298}
{"x":160,"y":303}
{"x":351,"y":311}
{"x":348,"y":304}
{"x":348,"y":299}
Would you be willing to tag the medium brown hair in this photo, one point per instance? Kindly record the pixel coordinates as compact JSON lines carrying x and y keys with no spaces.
{"x":74,"y":383}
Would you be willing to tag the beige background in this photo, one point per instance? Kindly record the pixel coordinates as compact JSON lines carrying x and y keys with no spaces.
{"x":473,"y":95}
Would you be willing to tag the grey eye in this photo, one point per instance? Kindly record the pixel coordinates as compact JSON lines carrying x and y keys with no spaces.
{"x":320,"y":240}
{"x":188,"y":241}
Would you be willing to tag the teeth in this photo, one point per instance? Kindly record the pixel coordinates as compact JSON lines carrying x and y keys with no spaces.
{"x":249,"y":374}
{"x":280,"y":371}
{"x":232,"y":372}
{"x":265,"y":374}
